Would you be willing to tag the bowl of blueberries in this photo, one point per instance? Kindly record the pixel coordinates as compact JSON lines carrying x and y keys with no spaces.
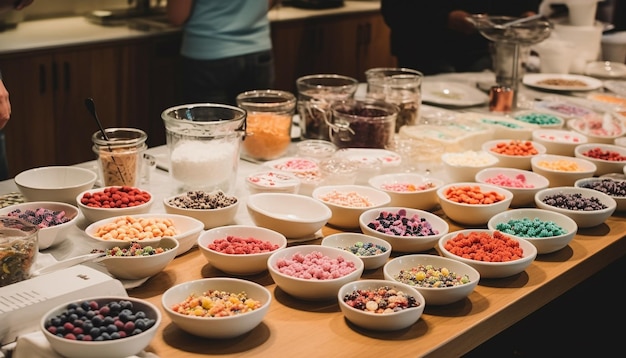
{"x":587,"y":207}
{"x":373,"y":251}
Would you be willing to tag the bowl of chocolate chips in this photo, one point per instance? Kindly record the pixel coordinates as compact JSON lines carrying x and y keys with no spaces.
{"x":212,"y":208}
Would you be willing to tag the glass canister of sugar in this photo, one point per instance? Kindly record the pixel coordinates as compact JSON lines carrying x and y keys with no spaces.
{"x":399,"y":86}
{"x":268,"y":122}
{"x":204,"y":143}
{"x":120,"y":156}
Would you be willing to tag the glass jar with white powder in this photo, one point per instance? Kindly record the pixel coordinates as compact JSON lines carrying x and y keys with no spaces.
{"x":204,"y":142}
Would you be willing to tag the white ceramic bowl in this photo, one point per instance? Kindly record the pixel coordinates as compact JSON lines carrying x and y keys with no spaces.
{"x":272,"y":181}
{"x":550,"y":166}
{"x":392,"y":321}
{"x":217,"y":327}
{"x":503,"y":126}
{"x":583,"y":218}
{"x":599,"y":129}
{"x":344,"y":214}
{"x":314,"y":289}
{"x":187,"y":230}
{"x":93,"y":214}
{"x":240,"y":262}
{"x":51,"y":235}
{"x":523,"y":184}
{"x":411,"y":242}
{"x":124,"y":347}
{"x":293,"y":215}
{"x":593,"y":152}
{"x":491,"y":269}
{"x":56,"y":183}
{"x":410,"y":190}
{"x":138,"y":267}
{"x":473,"y":214}
{"x":354,"y":242}
{"x":211,"y":214}
{"x":463,"y":166}
{"x":543,"y":119}
{"x":509,"y":223}
{"x":442,"y":295}
{"x":613,"y":187}
{"x":559,"y":141}
{"x":516,"y":161}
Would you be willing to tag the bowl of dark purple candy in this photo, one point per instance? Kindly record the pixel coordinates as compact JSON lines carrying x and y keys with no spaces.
{"x":407,"y":230}
{"x":587,"y":207}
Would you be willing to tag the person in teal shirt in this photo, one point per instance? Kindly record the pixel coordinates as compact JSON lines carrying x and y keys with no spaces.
{"x":226,"y":48}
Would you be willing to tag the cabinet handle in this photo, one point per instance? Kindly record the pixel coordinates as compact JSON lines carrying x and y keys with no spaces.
{"x":66,"y":76}
{"x":42,"y":79}
{"x":55,"y":79}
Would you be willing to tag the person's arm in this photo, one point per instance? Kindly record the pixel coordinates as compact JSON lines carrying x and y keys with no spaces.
{"x":178,"y":11}
{"x":5,"y":105}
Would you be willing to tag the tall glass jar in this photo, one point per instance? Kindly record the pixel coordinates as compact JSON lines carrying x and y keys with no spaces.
{"x":315,"y":94}
{"x":120,"y":158}
{"x":399,"y":86}
{"x":204,"y":143}
{"x":268,"y":122}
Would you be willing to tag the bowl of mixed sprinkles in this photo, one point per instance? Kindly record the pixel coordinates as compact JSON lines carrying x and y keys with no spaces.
{"x":440,"y":280}
{"x":238,"y":306}
{"x":380,"y":305}
{"x":374,"y":252}
{"x":409,"y":190}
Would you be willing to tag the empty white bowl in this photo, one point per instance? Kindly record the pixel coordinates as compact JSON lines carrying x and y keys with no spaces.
{"x":463,"y":166}
{"x":348,"y":202}
{"x":461,"y":277}
{"x":431,"y":227}
{"x":51,"y":235}
{"x":519,"y":160}
{"x":608,"y":158}
{"x":391,"y":321}
{"x":409,"y":190}
{"x":559,"y":141}
{"x":562,"y":170}
{"x":56,"y":183}
{"x":473,"y":214}
{"x":583,"y":218}
{"x":138,"y":267}
{"x":217,"y":327}
{"x":488,"y":269}
{"x":93,"y":214}
{"x":374,"y":252}
{"x":293,"y":215}
{"x":345,"y":267}
{"x":615,"y":188}
{"x":219,"y":212}
{"x":523,"y":184}
{"x":124,"y":347}
{"x":187,"y":230}
{"x":510,"y":222}
{"x":240,"y":262}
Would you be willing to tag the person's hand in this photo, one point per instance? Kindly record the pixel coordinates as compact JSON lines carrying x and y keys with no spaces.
{"x":457,"y":21}
{"x":5,"y":105}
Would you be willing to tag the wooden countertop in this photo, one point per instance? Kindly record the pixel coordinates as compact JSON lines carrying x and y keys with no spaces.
{"x":299,"y":328}
{"x":68,"y":31}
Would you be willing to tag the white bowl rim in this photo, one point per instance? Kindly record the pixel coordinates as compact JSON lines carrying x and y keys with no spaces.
{"x":410,"y":211}
{"x":444,"y":259}
{"x":307,"y":199}
{"x":197,"y":225}
{"x":18,"y":178}
{"x":205,"y":233}
{"x":541,"y":149}
{"x":208,"y":280}
{"x":309,"y":248}
{"x":97,"y":190}
{"x":371,"y":282}
{"x":591,"y":166}
{"x":612,"y":204}
{"x":495,"y":160}
{"x":381,"y":177}
{"x":317,"y":192}
{"x":507,"y":193}
{"x":539,"y":212}
{"x":231,"y":206}
{"x":526,"y":256}
{"x":613,"y":147}
{"x":545,"y":182}
{"x":365,"y":238}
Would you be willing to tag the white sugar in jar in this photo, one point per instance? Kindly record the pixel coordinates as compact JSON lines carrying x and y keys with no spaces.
{"x":204,"y":142}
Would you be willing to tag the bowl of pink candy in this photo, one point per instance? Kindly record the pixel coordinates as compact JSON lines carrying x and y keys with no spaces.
{"x":409,"y":190}
{"x":524,"y":184}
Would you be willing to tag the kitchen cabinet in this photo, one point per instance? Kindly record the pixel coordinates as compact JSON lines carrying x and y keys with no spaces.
{"x":346,"y":44}
{"x":50,"y":124}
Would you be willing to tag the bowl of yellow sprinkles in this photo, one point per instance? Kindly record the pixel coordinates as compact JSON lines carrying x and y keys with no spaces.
{"x":561,"y":170}
{"x":217,"y":307}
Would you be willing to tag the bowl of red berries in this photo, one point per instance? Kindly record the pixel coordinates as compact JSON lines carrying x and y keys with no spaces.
{"x":110,"y":201}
